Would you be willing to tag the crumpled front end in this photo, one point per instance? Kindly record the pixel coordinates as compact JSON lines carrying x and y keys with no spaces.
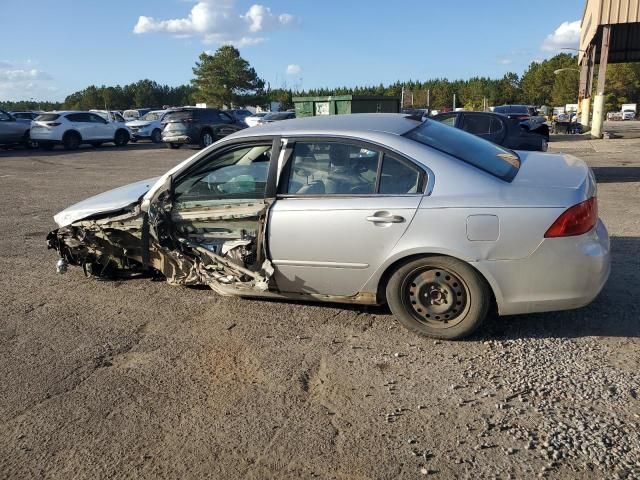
{"x":133,"y":242}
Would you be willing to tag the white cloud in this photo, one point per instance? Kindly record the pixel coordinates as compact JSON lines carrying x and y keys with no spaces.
{"x":216,"y":21}
{"x":505,"y":61}
{"x":293,"y":69}
{"x":566,"y":35}
{"x":18,"y":82}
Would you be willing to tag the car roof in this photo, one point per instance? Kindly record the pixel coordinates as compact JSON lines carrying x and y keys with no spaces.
{"x":350,"y":124}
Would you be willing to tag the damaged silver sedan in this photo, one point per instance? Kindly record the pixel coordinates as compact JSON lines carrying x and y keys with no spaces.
{"x":368,"y":209}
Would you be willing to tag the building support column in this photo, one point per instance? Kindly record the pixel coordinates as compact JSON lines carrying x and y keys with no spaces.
{"x":598,"y":103}
{"x":584,"y":93}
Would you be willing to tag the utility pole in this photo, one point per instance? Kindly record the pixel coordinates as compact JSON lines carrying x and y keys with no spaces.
{"x":454,"y":102}
{"x":402,"y":98}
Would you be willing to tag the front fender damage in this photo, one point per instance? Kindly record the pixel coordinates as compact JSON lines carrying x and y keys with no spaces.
{"x":132,"y":244}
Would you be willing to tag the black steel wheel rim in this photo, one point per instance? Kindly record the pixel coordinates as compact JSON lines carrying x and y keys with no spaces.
{"x":436,"y":297}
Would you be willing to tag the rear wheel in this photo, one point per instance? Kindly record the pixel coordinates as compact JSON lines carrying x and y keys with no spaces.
{"x":27,"y":142}
{"x":438,"y":297}
{"x":206,"y":139}
{"x":156,"y":136}
{"x":71,"y":141}
{"x":174,"y":146}
{"x":121,"y":138}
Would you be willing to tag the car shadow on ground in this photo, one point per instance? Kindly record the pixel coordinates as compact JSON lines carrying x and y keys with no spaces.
{"x":621,"y":174}
{"x":37,"y":152}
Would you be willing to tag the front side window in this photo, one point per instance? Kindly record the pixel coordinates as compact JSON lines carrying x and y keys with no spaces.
{"x":96,"y":118}
{"x":476,"y":151}
{"x":117,"y":117}
{"x":234,"y":177}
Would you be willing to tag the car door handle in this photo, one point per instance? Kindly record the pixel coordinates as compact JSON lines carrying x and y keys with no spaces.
{"x":385,"y":217}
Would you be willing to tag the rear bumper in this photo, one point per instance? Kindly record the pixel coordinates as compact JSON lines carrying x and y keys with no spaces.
{"x":562,"y":274}
{"x":177,"y":139}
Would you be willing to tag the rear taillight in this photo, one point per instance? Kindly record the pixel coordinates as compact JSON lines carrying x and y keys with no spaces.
{"x":576,"y":220}
{"x":523,"y":117}
{"x":54,"y":124}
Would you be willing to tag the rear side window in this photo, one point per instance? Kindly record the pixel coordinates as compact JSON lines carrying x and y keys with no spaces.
{"x":480,"y":153}
{"x":502,"y":109}
{"x":397,"y":177}
{"x":47,"y":117}
{"x":4,"y":116}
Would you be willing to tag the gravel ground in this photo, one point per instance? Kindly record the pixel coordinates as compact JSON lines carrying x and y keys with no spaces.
{"x":139,"y":379}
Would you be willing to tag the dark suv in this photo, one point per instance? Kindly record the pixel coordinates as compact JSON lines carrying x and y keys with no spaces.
{"x":197,"y":126}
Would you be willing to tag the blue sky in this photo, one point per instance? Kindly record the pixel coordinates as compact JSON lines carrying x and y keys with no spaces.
{"x":62,"y":46}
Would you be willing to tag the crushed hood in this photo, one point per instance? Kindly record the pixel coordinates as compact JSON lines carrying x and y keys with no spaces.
{"x":110,"y":201}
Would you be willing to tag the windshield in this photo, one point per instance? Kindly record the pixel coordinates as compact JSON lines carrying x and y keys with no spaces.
{"x":151,"y":116}
{"x":480,"y":153}
{"x":131,"y":113}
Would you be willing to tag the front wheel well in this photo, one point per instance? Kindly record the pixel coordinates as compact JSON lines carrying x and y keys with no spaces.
{"x":381,"y":295}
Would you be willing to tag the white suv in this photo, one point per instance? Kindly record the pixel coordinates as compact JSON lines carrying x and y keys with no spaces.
{"x":71,"y":129}
{"x":148,"y":127}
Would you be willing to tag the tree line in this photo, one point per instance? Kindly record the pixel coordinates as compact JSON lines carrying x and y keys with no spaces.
{"x":224,"y":78}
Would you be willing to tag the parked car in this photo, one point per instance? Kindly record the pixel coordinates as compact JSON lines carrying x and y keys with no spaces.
{"x":253,"y":120}
{"x":366,"y":208}
{"x":110,"y":115}
{"x":25,"y":115}
{"x":135,"y":114}
{"x":276,"y":117}
{"x":197,"y":126}
{"x":72,"y":128}
{"x":614,"y":116}
{"x":13,"y":130}
{"x":628,"y":115}
{"x":149,"y":127}
{"x":527,"y":115}
{"x":239,"y":114}
{"x":496,"y":128}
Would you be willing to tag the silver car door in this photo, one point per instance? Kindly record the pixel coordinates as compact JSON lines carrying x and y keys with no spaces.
{"x":341,"y":209}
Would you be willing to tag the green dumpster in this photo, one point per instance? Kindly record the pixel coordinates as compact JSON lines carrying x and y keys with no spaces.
{"x":341,"y":104}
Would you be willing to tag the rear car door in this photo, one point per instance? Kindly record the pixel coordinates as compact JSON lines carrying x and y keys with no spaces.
{"x":82,"y":123}
{"x":342,"y":206}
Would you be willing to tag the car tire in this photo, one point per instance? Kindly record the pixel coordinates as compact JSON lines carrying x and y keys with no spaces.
{"x":439,"y":297}
{"x":27,"y":142}
{"x":545,"y":145}
{"x":156,"y":136}
{"x":174,"y":146}
{"x":71,"y":141}
{"x":206,"y":138}
{"x":121,"y":138}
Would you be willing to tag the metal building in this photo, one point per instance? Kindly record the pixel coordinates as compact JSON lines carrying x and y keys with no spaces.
{"x":609,"y":33}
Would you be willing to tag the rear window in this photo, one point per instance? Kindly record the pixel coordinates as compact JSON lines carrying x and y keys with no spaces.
{"x":480,"y":153}
{"x":47,"y":117}
{"x":179,"y":115}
